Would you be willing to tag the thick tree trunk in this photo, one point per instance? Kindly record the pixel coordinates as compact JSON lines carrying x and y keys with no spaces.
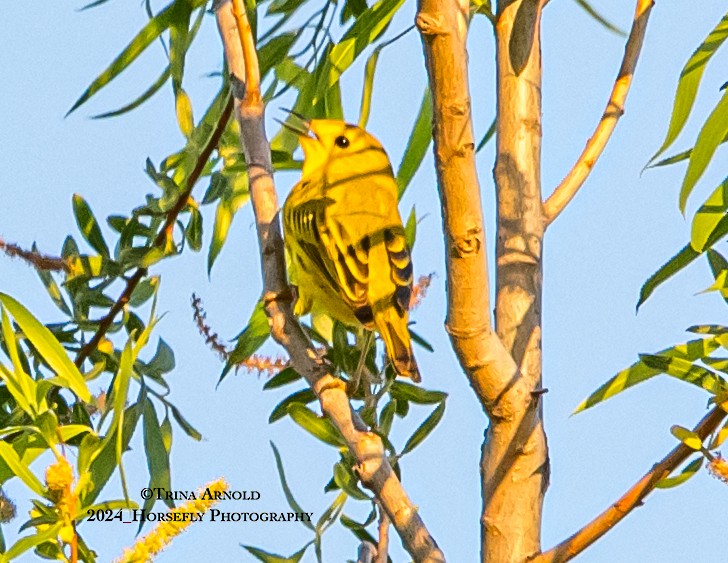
{"x":515,"y":464}
{"x":503,"y":368}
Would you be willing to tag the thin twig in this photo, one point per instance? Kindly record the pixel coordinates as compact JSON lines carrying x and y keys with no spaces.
{"x":383,"y":545}
{"x":162,"y":237}
{"x":578,"y":174}
{"x":39,"y":261}
{"x":373,"y":467}
{"x":633,"y":498}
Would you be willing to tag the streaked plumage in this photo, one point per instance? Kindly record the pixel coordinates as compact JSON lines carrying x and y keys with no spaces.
{"x":347,"y":247}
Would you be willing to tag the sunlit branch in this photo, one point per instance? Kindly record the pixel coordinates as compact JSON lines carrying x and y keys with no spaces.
{"x":634,"y":497}
{"x":162,"y":237}
{"x":373,"y":466}
{"x":578,"y":174}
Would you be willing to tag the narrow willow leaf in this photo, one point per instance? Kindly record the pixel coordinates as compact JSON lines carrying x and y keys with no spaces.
{"x":638,"y":372}
{"x":188,"y":429}
{"x":690,"y":77}
{"x":234,"y":197}
{"x":29,"y":542}
{"x":365,"y":30}
{"x":268,"y":557}
{"x":319,"y":427}
{"x":143,"y":97}
{"x":347,"y":482}
{"x":283,"y":377}
{"x":89,"y":226}
{"x":679,"y":157}
{"x":688,"y":471}
{"x":417,"y":339}
{"x":178,"y":41}
{"x":708,"y":217}
{"x":487,"y":137}
{"x":719,"y":438}
{"x":286,"y":489}
{"x":687,"y":437}
{"x":404,"y":392}
{"x":154,"y":447}
{"x":686,"y":371}
{"x":410,"y":229}
{"x":714,"y":130}
{"x":48,"y":347}
{"x":253,"y":336}
{"x":304,"y":397}
{"x":682,"y":259}
{"x":149,"y":33}
{"x":20,"y":385}
{"x":20,"y":469}
{"x":417,"y":145}
{"x":424,"y":429}
{"x":599,"y":18}
{"x":183,"y":106}
{"x":368,"y":87}
{"x":54,"y":291}
{"x":719,"y":267}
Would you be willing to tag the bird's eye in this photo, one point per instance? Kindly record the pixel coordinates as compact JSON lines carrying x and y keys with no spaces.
{"x":341,"y":142}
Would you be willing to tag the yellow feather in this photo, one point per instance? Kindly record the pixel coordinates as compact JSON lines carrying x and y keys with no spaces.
{"x":345,"y":239}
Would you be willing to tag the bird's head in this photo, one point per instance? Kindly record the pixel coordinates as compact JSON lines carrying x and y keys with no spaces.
{"x":339,"y":149}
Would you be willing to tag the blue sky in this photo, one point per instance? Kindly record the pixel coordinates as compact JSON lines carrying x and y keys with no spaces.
{"x":619,"y":229}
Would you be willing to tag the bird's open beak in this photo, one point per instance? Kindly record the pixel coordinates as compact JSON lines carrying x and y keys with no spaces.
{"x":302,"y":129}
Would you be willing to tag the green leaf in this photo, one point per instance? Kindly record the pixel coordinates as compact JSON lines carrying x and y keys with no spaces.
{"x":599,"y":18}
{"x":163,"y":360}
{"x":187,"y":428}
{"x":144,"y":291}
{"x":143,"y":97}
{"x":487,"y":137}
{"x":410,"y":229}
{"x":319,"y":427}
{"x":679,"y":157}
{"x":283,"y":377}
{"x":387,"y":417}
{"x":29,"y":542}
{"x":52,"y":288}
{"x":638,"y":372}
{"x":424,"y":429}
{"x":253,"y":337}
{"x":690,"y":78}
{"x":183,"y":106}
{"x":687,"y":437}
{"x":719,"y":267}
{"x":304,"y":397}
{"x":365,"y":30}
{"x":193,"y":232}
{"x":688,"y":471}
{"x":89,"y":226}
{"x":719,"y":438}
{"x":686,"y":371}
{"x":347,"y":481}
{"x":417,"y":145}
{"x":708,"y":216}
{"x":156,"y":452}
{"x":268,"y":557}
{"x":20,"y":385}
{"x":286,"y":489}
{"x":682,"y":259}
{"x":408,"y":392}
{"x":710,"y":136}
{"x":20,"y":469}
{"x":235,"y":195}
{"x":417,"y":339}
{"x":149,"y":33}
{"x":368,"y":88}
{"x":48,"y":347}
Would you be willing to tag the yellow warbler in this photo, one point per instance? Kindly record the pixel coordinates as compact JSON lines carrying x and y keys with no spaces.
{"x":349,"y":256}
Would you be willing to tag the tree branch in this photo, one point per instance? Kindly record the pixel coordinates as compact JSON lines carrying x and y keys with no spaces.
{"x":578,"y":174}
{"x":162,"y":237}
{"x":373,"y":466}
{"x":633,"y":498}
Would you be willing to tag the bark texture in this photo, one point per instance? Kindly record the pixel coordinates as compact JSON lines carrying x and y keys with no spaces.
{"x":503,"y":368}
{"x":373,"y":467}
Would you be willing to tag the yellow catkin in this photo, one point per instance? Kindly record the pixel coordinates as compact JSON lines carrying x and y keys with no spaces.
{"x":719,"y":469}
{"x":147,"y":547}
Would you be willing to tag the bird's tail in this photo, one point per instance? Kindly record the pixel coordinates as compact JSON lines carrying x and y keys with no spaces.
{"x":393,"y":329}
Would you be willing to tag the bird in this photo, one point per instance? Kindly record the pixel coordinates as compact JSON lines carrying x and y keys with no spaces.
{"x":347,"y":247}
